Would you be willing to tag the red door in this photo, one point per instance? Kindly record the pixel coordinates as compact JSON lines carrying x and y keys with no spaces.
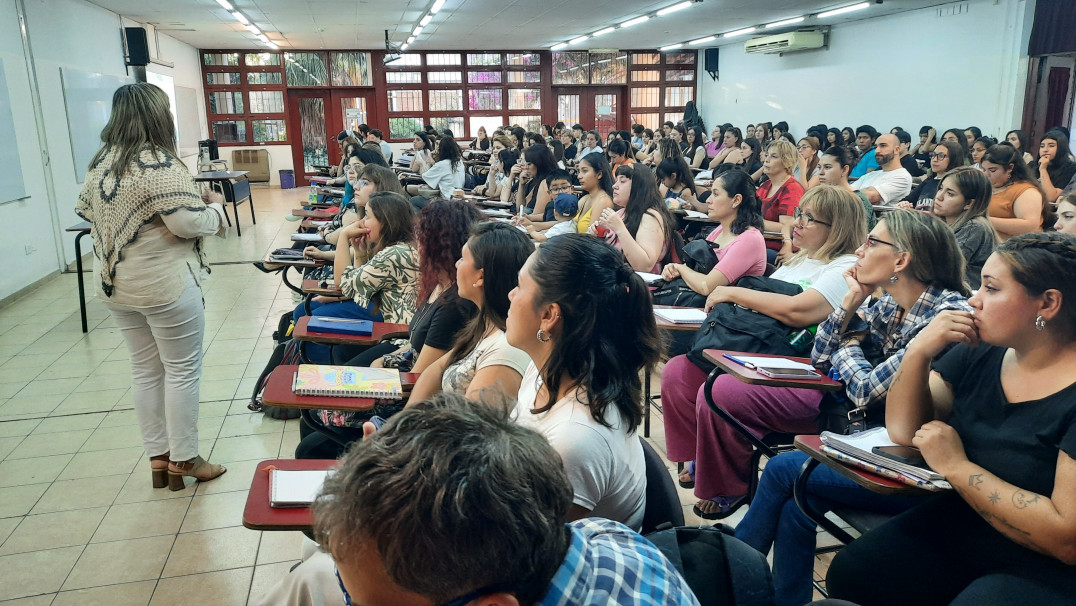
{"x":318,"y":115}
{"x":596,"y":108}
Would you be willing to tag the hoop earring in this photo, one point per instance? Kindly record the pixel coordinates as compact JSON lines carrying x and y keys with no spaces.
{"x":541,"y":333}
{"x":1040,"y":324}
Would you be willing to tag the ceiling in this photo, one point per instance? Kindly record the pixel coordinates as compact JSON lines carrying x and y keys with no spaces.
{"x":474,"y":24}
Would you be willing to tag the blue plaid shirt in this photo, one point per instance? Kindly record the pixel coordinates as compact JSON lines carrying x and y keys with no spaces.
{"x":868,"y":369}
{"x":608,"y":563}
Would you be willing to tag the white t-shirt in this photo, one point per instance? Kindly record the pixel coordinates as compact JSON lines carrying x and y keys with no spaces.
{"x":493,"y":350}
{"x":386,"y":150}
{"x":564,"y":227}
{"x":604,"y":465}
{"x":443,"y":177}
{"x":826,"y":278}
{"x":892,"y":185}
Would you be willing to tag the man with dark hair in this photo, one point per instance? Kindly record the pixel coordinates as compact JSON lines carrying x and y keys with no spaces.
{"x":451,"y":502}
{"x":865,"y":137}
{"x":376,"y":136}
{"x":892,"y":182}
{"x":906,"y":159}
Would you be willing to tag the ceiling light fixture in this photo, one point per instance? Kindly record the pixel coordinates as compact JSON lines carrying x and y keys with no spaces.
{"x":674,"y":8}
{"x":263,"y":38}
{"x":433,"y":9}
{"x":739,"y":32}
{"x":226,"y":5}
{"x":578,"y":40}
{"x":426,"y":20}
{"x":836,"y":11}
{"x":411,"y":39}
{"x":241,"y":18}
{"x":703,"y":40}
{"x":635,"y":21}
{"x":254,"y":29}
{"x":404,"y":47}
{"x":602,"y":32}
{"x":272,"y":46}
{"x":791,"y":21}
{"x":557,"y":47}
{"x":670,"y":47}
{"x":418,"y":30}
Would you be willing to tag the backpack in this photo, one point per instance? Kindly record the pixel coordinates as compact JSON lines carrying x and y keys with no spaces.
{"x":283,"y":354}
{"x":697,"y":255}
{"x":720,"y":569}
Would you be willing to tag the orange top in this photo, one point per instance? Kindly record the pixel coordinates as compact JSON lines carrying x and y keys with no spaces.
{"x":1001,"y":202}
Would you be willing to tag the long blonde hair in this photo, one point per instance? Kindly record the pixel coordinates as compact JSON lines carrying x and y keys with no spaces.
{"x":848,"y":222}
{"x":140,"y":119}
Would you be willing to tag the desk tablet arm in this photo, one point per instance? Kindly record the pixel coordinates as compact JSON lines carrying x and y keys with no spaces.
{"x":725,"y":416}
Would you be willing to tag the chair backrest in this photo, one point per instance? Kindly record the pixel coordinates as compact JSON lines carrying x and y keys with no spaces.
{"x":241,"y":190}
{"x":662,"y":500}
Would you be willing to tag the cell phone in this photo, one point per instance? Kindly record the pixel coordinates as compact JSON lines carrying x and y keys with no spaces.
{"x":788,"y":373}
{"x":908,"y":455}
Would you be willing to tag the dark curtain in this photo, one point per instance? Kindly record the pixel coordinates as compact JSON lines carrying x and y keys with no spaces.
{"x":1054,"y":29}
{"x":1057,"y":88}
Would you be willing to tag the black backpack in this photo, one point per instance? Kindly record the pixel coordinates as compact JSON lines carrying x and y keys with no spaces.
{"x":720,"y":569}
{"x":699,"y":256}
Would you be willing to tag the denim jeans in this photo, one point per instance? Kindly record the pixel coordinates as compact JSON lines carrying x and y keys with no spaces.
{"x":774,"y":519}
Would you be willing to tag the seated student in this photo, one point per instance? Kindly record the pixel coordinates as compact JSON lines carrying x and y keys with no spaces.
{"x":596,"y":179}
{"x":1054,"y":168}
{"x":1019,"y":140}
{"x":618,"y":154}
{"x":592,"y":142}
{"x":944,"y":158}
{"x":732,"y":140}
{"x":528,"y":180}
{"x":716,"y":143}
{"x":978,"y":150}
{"x":806,"y":161}
{"x":928,"y":138}
{"x":565,"y":207}
{"x":972,"y":134}
{"x":442,"y":230}
{"x":1066,"y":215}
{"x":649,"y":145}
{"x":637,"y":136}
{"x":422,"y":158}
{"x":695,"y":152}
{"x":956,"y":135}
{"x":906,"y":160}
{"x":377,"y":137}
{"x":481,"y":358}
{"x":996,"y":415}
{"x":383,"y":518}
{"x":641,"y":225}
{"x":482,"y":141}
{"x":677,"y":185}
{"x":583,"y":390}
{"x":779,"y":195}
{"x":866,"y":135}
{"x":558,"y":181}
{"x":497,"y":177}
{"x":741,"y":250}
{"x":962,"y":201}
{"x":890,"y":184}
{"x":830,"y":226}
{"x":445,"y":176}
{"x":571,"y":152}
{"x":1018,"y":204}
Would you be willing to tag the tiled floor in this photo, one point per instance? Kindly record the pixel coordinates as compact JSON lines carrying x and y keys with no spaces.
{"x":79,"y":521}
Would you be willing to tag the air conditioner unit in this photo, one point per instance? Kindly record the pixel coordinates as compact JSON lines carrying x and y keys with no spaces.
{"x":785,"y":43}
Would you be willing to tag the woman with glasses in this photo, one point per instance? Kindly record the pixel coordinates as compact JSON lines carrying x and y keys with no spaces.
{"x":830,"y":225}
{"x":946,"y":156}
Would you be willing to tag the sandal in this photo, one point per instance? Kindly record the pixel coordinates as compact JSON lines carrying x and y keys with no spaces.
{"x":689,"y":469}
{"x":197,"y":468}
{"x":725,"y":507}
{"x":159,"y":466}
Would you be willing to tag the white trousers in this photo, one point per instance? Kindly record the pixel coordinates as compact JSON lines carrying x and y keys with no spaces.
{"x":165,"y":342}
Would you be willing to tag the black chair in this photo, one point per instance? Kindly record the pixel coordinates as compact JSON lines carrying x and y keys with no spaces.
{"x":235,"y":193}
{"x":662,"y":501}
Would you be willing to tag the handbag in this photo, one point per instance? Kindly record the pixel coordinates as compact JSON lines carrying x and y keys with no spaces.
{"x":735,"y":328}
{"x":697,"y":255}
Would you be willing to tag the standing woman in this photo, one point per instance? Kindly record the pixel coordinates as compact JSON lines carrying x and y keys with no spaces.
{"x":596,"y":179}
{"x":147,"y":221}
{"x":1019,"y":140}
{"x":642,"y":225}
{"x":1018,"y":205}
{"x":962,"y":201}
{"x":1054,"y":168}
{"x":780,"y":196}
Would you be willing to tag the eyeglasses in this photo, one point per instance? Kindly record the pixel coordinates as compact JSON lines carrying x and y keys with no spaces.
{"x":939,"y":156}
{"x":803,"y":147}
{"x":871,"y":241}
{"x":798,"y":214}
{"x":560,"y":189}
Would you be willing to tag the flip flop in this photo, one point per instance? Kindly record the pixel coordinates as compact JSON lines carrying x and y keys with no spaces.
{"x":726,"y":507}
{"x":690,"y":472}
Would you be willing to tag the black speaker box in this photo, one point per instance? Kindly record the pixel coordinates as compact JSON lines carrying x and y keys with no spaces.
{"x":710,"y":59}
{"x":137,"y":46}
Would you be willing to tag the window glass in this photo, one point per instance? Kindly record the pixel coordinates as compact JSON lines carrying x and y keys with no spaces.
{"x":679,"y":75}
{"x":484,"y":77}
{"x":261,"y":59}
{"x":444,"y":77}
{"x":442,"y":59}
{"x":674,"y":117}
{"x":264,"y":78}
{"x":645,"y":58}
{"x":269,"y":130}
{"x":226,"y":103}
{"x":230,"y":131}
{"x":484,"y":59}
{"x":221,"y":58}
{"x":524,"y":98}
{"x":351,"y":69}
{"x":405,"y":100}
{"x":223,"y":78}
{"x":446,"y":101}
{"x":608,"y":68}
{"x":404,"y":128}
{"x":484,"y":99}
{"x":680,"y":59}
{"x":571,"y":68}
{"x":646,"y":97}
{"x":645,"y":75}
{"x":650,"y":121}
{"x":305,"y":69}
{"x":491,"y":123}
{"x":532,"y":124}
{"x":266,"y":102}
{"x":454,"y":124}
{"x":403,"y":77}
{"x":529,"y":59}
{"x":519,"y":77}
{"x":406,"y":60}
{"x":677,"y":96}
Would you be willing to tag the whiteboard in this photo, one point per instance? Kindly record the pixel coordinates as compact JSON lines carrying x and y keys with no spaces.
{"x":88,"y":97}
{"x":190,"y":131}
{"x":11,"y":184}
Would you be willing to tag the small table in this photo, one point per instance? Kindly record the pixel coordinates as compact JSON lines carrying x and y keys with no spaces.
{"x":278,"y":392}
{"x":302,"y":263}
{"x":238,"y":189}
{"x":81,"y":229}
{"x":313,"y":214}
{"x":258,"y":515}
{"x":648,"y":398}
{"x":753,"y":377}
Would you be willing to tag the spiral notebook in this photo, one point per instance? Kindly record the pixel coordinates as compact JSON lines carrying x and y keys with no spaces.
{"x":295,"y":488}
{"x":347,"y":381}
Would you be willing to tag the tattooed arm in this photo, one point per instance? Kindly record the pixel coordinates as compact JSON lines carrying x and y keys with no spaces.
{"x":1042,"y":523}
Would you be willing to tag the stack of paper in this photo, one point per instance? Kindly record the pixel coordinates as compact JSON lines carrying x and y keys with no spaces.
{"x":296,"y":488}
{"x":681,"y":315}
{"x":859,"y":447}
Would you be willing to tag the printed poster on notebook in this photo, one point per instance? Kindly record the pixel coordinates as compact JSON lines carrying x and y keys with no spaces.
{"x":328,"y":380}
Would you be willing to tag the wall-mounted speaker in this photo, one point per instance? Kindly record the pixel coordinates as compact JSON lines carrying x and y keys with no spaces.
{"x":710,"y":62}
{"x":137,"y":46}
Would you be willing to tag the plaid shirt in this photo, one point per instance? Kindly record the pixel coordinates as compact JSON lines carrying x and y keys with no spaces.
{"x":608,"y":563}
{"x":868,"y":369}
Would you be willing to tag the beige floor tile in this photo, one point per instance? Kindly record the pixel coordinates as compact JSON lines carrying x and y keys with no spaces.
{"x":238,"y":478}
{"x":37,"y":600}
{"x":223,"y":372}
{"x":7,"y":526}
{"x":246,"y":448}
{"x":210,"y":550}
{"x":19,"y":500}
{"x":47,"y":445}
{"x":8,"y":445}
{"x":115,"y":367}
{"x":215,"y":511}
{"x":266,"y":577}
{"x":104,"y":463}
{"x":82,"y":402}
{"x":99,"y":382}
{"x":120,"y":562}
{"x":223,"y":587}
{"x":24,"y":574}
{"x":65,"y":495}
{"x":127,"y":594}
{"x":53,"y":530}
{"x":74,"y":422}
{"x":213,"y":409}
{"x":280,"y":547}
{"x":250,"y":424}
{"x":19,"y":374}
{"x":9,"y":429}
{"x":64,"y":370}
{"x":139,"y":489}
{"x":32,"y":471}
{"x":214,"y":391}
{"x":137,"y":520}
{"x":48,"y":387}
{"x":117,"y":418}
{"x":233,"y":345}
{"x":35,"y":361}
{"x":124,"y":436}
{"x":37,"y":406}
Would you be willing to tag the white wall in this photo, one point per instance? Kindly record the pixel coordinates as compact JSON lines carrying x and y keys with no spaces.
{"x":909,"y":69}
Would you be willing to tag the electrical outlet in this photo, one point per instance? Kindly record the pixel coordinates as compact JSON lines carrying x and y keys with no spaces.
{"x":29,"y":249}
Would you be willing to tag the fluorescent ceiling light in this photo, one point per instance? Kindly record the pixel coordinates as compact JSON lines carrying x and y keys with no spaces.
{"x":426,"y":20}
{"x":263,"y":37}
{"x":271,"y":45}
{"x":670,"y":47}
{"x":254,"y":29}
{"x":578,"y":40}
{"x":674,"y":8}
{"x":404,"y":47}
{"x":410,"y":40}
{"x":739,"y":32}
{"x":785,"y":22}
{"x":227,"y":5}
{"x":240,"y":18}
{"x":703,"y":40}
{"x":602,"y":32}
{"x":834,"y":12}
{"x":635,"y":21}
{"x":418,"y":30}
{"x":557,"y":47}
{"x":433,"y":9}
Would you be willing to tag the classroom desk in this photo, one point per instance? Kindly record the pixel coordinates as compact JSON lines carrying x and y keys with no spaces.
{"x":232,"y":178}
{"x":381,"y":331}
{"x":258,"y":515}
{"x":313,"y":214}
{"x":319,"y":179}
{"x":80,"y":229}
{"x":648,"y":398}
{"x":314,"y":223}
{"x":302,"y":263}
{"x":753,"y":377}
{"x":278,"y":392}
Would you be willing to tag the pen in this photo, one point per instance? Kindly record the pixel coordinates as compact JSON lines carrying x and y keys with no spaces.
{"x":740,"y":362}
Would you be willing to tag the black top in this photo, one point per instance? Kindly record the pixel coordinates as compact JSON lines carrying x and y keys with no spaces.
{"x":570,"y":152}
{"x":922,"y":195}
{"x":1018,"y":442}
{"x":436,"y":324}
{"x":1061,"y":175}
{"x":912,"y":166}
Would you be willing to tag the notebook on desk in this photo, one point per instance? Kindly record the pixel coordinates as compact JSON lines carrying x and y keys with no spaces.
{"x":861,"y":445}
{"x":347,"y":381}
{"x":344,"y":326}
{"x":681,"y":315}
{"x":295,"y":488}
